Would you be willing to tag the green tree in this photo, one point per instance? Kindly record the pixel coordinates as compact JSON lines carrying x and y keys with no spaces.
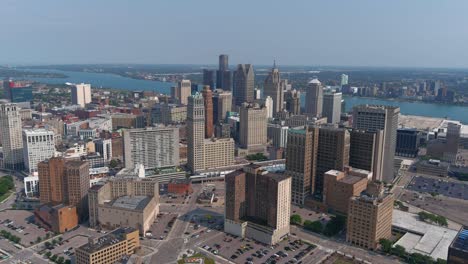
{"x":53,"y":258}
{"x":38,"y":239}
{"x":315,"y":226}
{"x":335,"y":225}
{"x":398,"y":251}
{"x":296,"y":219}
{"x":60,"y":239}
{"x":386,"y":245}
{"x":48,"y":254}
{"x":60,"y":260}
{"x":113,"y":163}
{"x":67,"y":261}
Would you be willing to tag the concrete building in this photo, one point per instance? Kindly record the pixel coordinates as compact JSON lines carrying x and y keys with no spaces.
{"x":124,"y":202}
{"x":366,"y":151}
{"x":344,"y":79}
{"x":208,"y":102}
{"x":38,"y":145}
{"x":269,"y":107}
{"x":314,"y":99}
{"x":10,"y":130}
{"x":433,"y":167}
{"x":407,"y":144}
{"x":243,"y":87}
{"x":332,"y":107}
{"x":110,"y":248}
{"x":301,"y":162}
{"x":122,"y":120}
{"x":222,"y":104}
{"x":278,"y":134}
{"x":332,"y":153}
{"x":167,"y":114}
{"x":340,"y":186}
{"x":81,"y":94}
{"x":154,"y":147}
{"x":370,"y":217}
{"x":253,"y":127}
{"x":272,"y":87}
{"x":104,"y":148}
{"x":258,"y":204}
{"x":458,"y":250}
{"x":293,"y":102}
{"x":182,"y":91}
{"x":373,"y":118}
{"x":31,"y":186}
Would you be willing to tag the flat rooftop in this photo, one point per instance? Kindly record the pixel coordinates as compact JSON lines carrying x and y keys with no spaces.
{"x":114,"y":237}
{"x":422,"y":237}
{"x":350,"y":179}
{"x":131,"y":202}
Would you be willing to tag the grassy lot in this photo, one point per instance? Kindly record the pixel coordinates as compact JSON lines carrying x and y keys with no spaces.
{"x":198,"y":255}
{"x":5,"y":196}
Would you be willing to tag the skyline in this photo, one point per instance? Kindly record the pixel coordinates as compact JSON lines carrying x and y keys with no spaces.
{"x":360,"y":33}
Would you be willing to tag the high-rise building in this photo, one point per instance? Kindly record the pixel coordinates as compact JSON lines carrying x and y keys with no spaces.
{"x":223,"y":74}
{"x":332,"y":154}
{"x":208,"y":99}
{"x":243,"y":90}
{"x":373,"y":118}
{"x":183,"y":91}
{"x":314,"y":99}
{"x":332,"y":107}
{"x":407,"y":144}
{"x":293,"y":102}
{"x":258,"y":204}
{"x":18,"y":91}
{"x":39,"y":145}
{"x":344,"y":79}
{"x":81,"y":94}
{"x":253,"y":127}
{"x":154,"y":147}
{"x":64,"y":181}
{"x":104,"y":148}
{"x":278,"y":134}
{"x":209,"y":78}
{"x":12,"y":143}
{"x":458,"y":249}
{"x":366,"y":151}
{"x":269,"y":107}
{"x":223,"y":62}
{"x":272,"y":87}
{"x":222,"y":104}
{"x":301,"y":162}
{"x":370,"y":217}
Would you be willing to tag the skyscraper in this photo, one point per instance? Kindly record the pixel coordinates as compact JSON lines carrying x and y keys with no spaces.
{"x":301,"y":161}
{"x":332,"y":154}
{"x":209,"y":78}
{"x":243,"y":90}
{"x":184,"y":89}
{"x":293,"y":102}
{"x":314,"y":99}
{"x":81,"y":94}
{"x":223,"y":74}
{"x":344,"y":79}
{"x":366,"y":151}
{"x":373,"y":118}
{"x":10,"y":128}
{"x":208,"y":99}
{"x":39,"y":145}
{"x":272,"y":87}
{"x":253,"y":127}
{"x":195,"y":132}
{"x":222,"y":104}
{"x":269,"y":106}
{"x":223,"y":62}
{"x":332,"y":107}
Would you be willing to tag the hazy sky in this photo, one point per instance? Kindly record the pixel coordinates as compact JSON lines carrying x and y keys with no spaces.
{"x":429,"y":33}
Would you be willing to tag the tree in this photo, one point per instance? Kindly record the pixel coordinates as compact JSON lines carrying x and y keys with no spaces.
{"x":386,"y":245}
{"x":296,"y":219}
{"x":47,"y":244}
{"x":38,"y":239}
{"x":53,"y":258}
{"x":113,"y":163}
{"x":315,"y":226}
{"x":67,"y":261}
{"x":399,"y":251}
{"x":335,"y":225}
{"x":60,"y":260}
{"x":60,"y":239}
{"x":48,"y":254}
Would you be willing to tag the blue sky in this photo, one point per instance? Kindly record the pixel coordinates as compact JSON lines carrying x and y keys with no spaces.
{"x":428,"y":33}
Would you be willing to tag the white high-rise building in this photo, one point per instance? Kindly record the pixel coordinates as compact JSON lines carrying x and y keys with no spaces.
{"x":104,"y":147}
{"x":314,"y":98}
{"x":332,"y":107}
{"x":344,"y":79}
{"x":81,"y":94}
{"x":10,"y":129}
{"x":269,"y":106}
{"x":39,"y":145}
{"x":31,"y":186}
{"x":154,"y":147}
{"x":184,"y":90}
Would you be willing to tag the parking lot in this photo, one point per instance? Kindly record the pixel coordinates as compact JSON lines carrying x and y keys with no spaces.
{"x":240,"y":250}
{"x":161,"y":227}
{"x":20,"y":223}
{"x":439,"y":186}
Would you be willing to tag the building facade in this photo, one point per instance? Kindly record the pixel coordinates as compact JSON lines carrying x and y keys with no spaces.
{"x":366,"y":151}
{"x":243,"y":89}
{"x":81,"y":94}
{"x":39,"y":145}
{"x":272,"y":87}
{"x":314,"y":99}
{"x":253,"y":127}
{"x":222,"y":104}
{"x":332,"y":107}
{"x":12,"y":143}
{"x":208,"y":102}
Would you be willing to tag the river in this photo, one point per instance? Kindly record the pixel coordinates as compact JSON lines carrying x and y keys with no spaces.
{"x":106,"y":80}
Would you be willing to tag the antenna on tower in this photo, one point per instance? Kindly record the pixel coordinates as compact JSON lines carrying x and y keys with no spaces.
{"x":274,"y":64}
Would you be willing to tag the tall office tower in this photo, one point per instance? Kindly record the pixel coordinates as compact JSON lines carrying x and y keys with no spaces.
{"x":314,"y":99}
{"x":183,"y":91}
{"x":257,"y":94}
{"x":293,"y":102}
{"x":18,"y":91}
{"x":278,"y":133}
{"x":222,"y":104}
{"x":67,"y":182}
{"x":366,"y":151}
{"x":332,"y":154}
{"x":437,"y":85}
{"x":243,"y":90}
{"x":344,"y":79}
{"x":301,"y":162}
{"x":10,"y":129}
{"x":81,"y":94}
{"x":253,"y":127}
{"x":195,"y":132}
{"x":39,"y":145}
{"x":104,"y":148}
{"x":208,"y":99}
{"x":272,"y":87}
{"x":373,"y":118}
{"x":269,"y":106}
{"x":154,"y":147}
{"x":258,"y":204}
{"x":370,"y":217}
{"x":223,"y":74}
{"x":453,"y":140}
{"x":209,"y":78}
{"x":332,"y":107}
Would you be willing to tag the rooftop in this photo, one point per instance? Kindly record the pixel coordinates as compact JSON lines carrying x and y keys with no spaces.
{"x":350,"y":179}
{"x":131,"y":202}
{"x":114,"y":237}
{"x":461,"y":240}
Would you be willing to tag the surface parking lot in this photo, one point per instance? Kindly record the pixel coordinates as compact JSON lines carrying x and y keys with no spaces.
{"x":161,"y":228}
{"x":240,"y":250}
{"x":19,"y":223}
{"x":439,"y":186}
